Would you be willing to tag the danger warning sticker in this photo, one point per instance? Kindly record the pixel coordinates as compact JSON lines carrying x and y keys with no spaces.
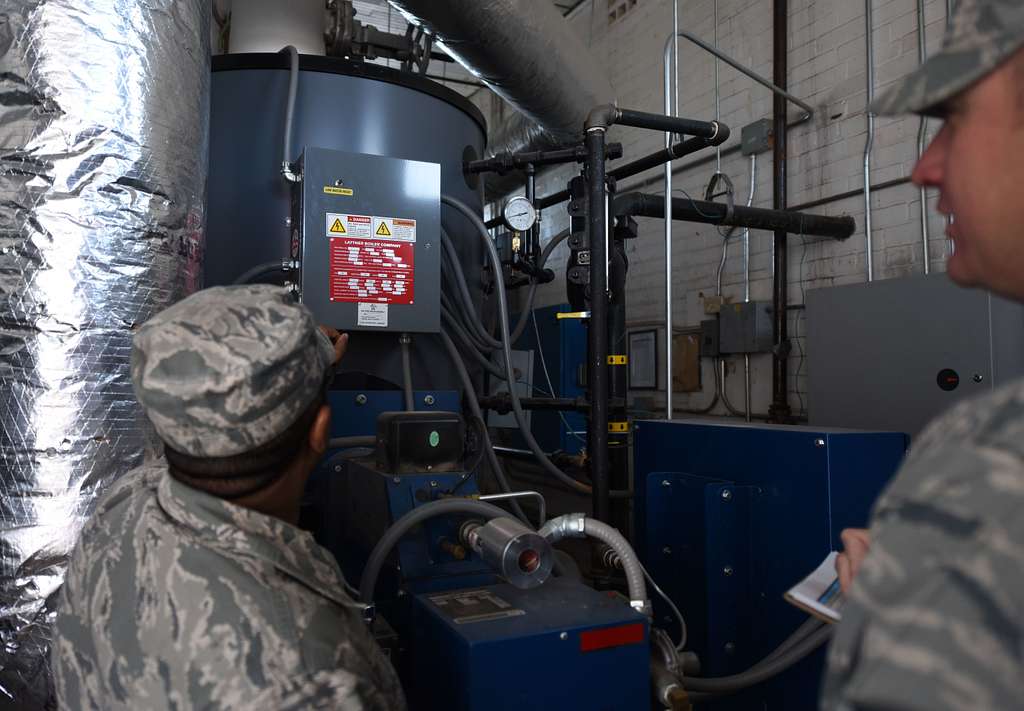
{"x":371,"y":270}
{"x":342,"y":225}
{"x":395,"y":228}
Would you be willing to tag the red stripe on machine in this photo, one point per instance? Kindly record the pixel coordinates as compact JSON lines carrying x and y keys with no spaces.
{"x":593,"y":640}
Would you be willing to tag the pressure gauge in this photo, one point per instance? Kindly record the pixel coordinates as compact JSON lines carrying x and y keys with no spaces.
{"x":520,"y":214}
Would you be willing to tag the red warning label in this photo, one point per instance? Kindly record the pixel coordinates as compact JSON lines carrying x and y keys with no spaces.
{"x":371,"y":270}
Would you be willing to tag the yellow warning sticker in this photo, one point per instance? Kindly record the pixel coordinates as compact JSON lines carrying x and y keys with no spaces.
{"x":331,"y":190}
{"x":337,"y":227}
{"x":382,"y":230}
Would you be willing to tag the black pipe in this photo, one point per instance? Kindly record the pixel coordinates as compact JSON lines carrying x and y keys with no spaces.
{"x":502,"y":403}
{"x":683,"y":148}
{"x":533,"y":238}
{"x":672,"y":124}
{"x":717,"y":213}
{"x":597,"y":351}
{"x":618,"y":369}
{"x":850,"y":193}
{"x":779,"y":409}
{"x":505,"y":162}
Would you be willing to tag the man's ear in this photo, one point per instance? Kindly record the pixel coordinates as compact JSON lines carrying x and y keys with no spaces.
{"x":320,"y":432}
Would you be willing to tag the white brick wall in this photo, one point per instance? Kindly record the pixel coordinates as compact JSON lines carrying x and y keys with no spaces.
{"x":827,"y":69}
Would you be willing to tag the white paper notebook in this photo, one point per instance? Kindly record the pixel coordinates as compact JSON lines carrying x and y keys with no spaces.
{"x":819,"y":593}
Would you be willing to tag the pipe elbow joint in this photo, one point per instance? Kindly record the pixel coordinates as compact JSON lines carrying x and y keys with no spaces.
{"x":288,"y":174}
{"x":568,"y":526}
{"x":602,"y":117}
{"x":721,"y":135}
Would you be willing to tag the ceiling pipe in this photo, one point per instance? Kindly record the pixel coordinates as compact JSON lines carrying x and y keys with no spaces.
{"x":530,"y":56}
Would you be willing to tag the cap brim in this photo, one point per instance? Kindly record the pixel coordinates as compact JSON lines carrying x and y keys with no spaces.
{"x":928,"y":89}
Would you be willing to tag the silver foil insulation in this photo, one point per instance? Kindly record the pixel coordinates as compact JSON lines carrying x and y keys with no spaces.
{"x":529,"y":55}
{"x":103,"y":150}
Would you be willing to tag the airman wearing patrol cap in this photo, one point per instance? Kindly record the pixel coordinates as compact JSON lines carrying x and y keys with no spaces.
{"x":935,"y":612}
{"x":191,"y":587}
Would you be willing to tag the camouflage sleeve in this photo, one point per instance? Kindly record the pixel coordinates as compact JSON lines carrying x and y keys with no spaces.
{"x":934,"y":619}
{"x":335,"y":689}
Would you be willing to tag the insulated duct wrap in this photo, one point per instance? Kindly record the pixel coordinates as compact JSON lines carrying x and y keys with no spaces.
{"x":529,"y":55}
{"x":103,"y":145}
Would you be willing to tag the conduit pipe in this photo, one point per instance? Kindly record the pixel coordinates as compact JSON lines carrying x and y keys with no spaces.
{"x":578,"y":525}
{"x":746,"y":285}
{"x":670,"y":52}
{"x":869,"y":144}
{"x":922,"y":131}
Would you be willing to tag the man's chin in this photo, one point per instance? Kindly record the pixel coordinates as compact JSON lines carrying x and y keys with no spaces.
{"x":959,"y":272}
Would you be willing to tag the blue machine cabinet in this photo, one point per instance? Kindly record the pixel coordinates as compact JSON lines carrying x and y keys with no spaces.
{"x":730,"y":516}
{"x":558,"y":647}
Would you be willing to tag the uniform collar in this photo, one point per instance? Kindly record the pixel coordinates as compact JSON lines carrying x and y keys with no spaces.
{"x":234,"y":530}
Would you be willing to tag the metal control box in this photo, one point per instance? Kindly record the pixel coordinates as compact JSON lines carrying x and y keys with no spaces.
{"x":746,"y":327}
{"x":894,"y":354}
{"x":557,"y":647}
{"x":367,"y":232}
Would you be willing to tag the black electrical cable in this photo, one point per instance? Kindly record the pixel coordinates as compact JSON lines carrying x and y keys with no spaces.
{"x":259,"y":270}
{"x":517,"y":407}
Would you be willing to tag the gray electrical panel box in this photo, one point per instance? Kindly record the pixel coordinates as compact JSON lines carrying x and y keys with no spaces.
{"x":367,"y":232}
{"x":746,"y":327}
{"x":894,"y":354}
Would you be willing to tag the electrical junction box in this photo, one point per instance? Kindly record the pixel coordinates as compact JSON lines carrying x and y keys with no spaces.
{"x":560,"y":646}
{"x":746,"y":327}
{"x":709,"y":346}
{"x":896,"y":353}
{"x":366,"y":230}
{"x":757,"y":137}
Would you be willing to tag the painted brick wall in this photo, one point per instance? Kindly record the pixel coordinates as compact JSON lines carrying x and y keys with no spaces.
{"x":827,"y":69}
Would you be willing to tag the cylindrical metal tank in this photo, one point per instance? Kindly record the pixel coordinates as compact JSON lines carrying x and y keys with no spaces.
{"x":340,"y":105}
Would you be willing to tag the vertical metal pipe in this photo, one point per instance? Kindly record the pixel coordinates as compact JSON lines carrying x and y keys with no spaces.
{"x":950,"y":245}
{"x":718,"y":96}
{"x":533,"y":238}
{"x":675,"y":57}
{"x":922,"y":131}
{"x":669,"y":53}
{"x":746,"y":284}
{"x":597,"y":364}
{"x":779,"y":410}
{"x":870,"y":52}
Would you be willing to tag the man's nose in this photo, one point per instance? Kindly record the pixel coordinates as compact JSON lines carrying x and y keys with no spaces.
{"x":930,"y":167}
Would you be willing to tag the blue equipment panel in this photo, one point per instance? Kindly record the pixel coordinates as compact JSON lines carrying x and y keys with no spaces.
{"x":730,"y":516}
{"x":499,"y":648}
{"x":564,"y":347}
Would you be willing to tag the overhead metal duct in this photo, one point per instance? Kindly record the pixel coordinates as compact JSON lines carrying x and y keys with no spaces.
{"x":528,"y":54}
{"x":103,"y":125}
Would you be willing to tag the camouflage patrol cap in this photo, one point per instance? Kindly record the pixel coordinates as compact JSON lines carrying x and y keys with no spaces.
{"x":229,"y":368}
{"x":983,"y":34}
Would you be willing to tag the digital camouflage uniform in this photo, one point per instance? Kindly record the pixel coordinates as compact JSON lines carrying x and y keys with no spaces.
{"x":177,"y":599}
{"x":935,"y":618}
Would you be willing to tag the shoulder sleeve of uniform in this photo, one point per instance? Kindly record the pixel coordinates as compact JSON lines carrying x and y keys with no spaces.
{"x":330,"y":689}
{"x":934,"y":618}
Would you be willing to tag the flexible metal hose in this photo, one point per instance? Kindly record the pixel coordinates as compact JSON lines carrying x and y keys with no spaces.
{"x":517,"y":407}
{"x":391,"y":537}
{"x":762,"y":671}
{"x":630,"y":563}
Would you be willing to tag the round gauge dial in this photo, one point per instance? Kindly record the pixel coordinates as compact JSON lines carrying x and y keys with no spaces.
{"x":520,"y":215}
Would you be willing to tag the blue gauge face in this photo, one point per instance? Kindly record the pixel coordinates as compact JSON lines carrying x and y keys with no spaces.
{"x":519,"y":214}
